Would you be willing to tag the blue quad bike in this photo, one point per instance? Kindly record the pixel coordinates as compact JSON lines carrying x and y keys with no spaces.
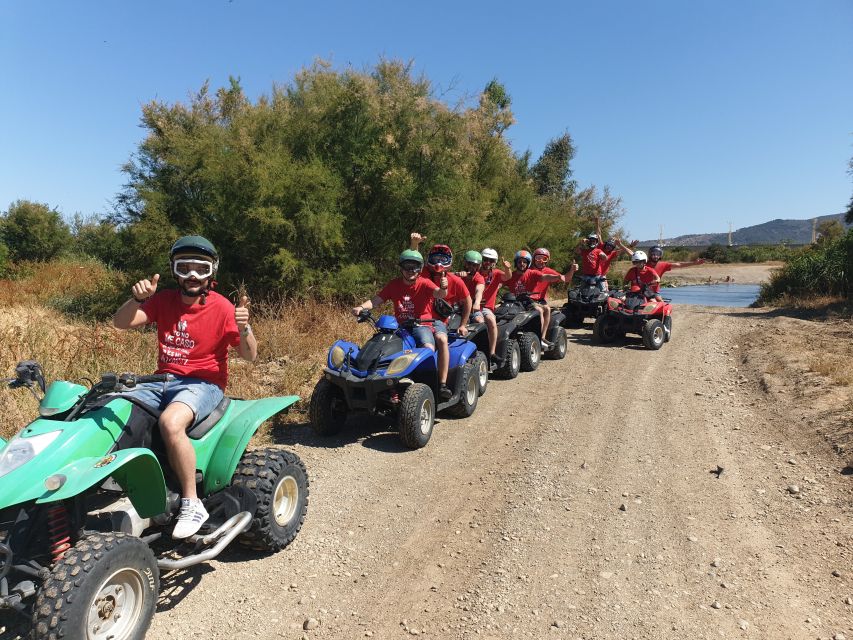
{"x":389,"y":375}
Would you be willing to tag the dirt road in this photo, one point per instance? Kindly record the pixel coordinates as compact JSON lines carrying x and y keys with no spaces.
{"x":578,"y":502}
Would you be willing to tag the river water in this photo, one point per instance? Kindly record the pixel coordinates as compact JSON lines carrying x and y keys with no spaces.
{"x":713,"y":295}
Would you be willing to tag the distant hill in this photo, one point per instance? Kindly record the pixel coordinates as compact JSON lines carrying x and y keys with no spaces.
{"x":773,"y":232}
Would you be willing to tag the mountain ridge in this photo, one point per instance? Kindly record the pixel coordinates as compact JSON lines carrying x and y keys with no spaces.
{"x":772,"y":232}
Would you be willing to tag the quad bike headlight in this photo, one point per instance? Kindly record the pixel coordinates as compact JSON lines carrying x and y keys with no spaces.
{"x":400,"y":364}
{"x":613,"y":303}
{"x":337,"y":357}
{"x":649,"y":308}
{"x":21,"y":450}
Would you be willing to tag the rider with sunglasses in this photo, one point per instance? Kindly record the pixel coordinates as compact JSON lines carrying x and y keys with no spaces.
{"x":195,"y":328}
{"x":412,"y":296}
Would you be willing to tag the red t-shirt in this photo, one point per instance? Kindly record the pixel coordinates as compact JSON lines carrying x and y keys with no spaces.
{"x":411,"y":302}
{"x":471,"y":281}
{"x":661,"y":267}
{"x":541,"y":288}
{"x":590,"y":261}
{"x":193,"y":339}
{"x":493,"y":282}
{"x":605,"y":260}
{"x":456,"y":292}
{"x":646,"y":276}
{"x":523,"y":282}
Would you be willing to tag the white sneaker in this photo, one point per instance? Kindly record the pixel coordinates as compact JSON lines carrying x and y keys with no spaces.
{"x":192,"y":516}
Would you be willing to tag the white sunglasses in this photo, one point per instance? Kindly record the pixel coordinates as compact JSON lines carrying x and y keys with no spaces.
{"x":199,"y":269}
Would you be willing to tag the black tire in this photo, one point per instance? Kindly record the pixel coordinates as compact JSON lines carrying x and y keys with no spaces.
{"x":482,"y":367}
{"x":531,"y":351}
{"x":279,"y":481}
{"x":573,"y":320}
{"x":469,"y":391}
{"x":667,"y":323}
{"x":654,"y":335}
{"x":327,"y":411}
{"x":416,"y":416}
{"x":561,"y":345}
{"x":605,"y":329}
{"x":103,"y":575}
{"x":512,"y":362}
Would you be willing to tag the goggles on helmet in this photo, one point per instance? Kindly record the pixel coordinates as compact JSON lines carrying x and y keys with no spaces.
{"x":192,"y":268}
{"x":441,"y":259}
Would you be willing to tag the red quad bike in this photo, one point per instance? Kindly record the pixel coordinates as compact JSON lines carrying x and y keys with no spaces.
{"x":636,"y":311}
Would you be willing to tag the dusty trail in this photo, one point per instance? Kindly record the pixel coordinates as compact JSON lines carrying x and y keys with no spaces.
{"x":577,"y":502}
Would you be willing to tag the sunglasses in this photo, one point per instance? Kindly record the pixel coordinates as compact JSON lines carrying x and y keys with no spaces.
{"x":472,"y":265}
{"x":410,"y":266}
{"x":199,"y":269}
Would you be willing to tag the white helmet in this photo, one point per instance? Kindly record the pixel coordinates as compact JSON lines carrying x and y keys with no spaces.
{"x":639,"y":256}
{"x":490,"y":254}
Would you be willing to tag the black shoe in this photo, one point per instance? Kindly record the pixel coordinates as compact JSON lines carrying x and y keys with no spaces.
{"x":495,"y":361}
{"x":444,"y":393}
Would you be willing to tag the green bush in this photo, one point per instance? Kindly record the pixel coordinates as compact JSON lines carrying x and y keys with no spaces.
{"x":34,"y":231}
{"x":825,"y":269}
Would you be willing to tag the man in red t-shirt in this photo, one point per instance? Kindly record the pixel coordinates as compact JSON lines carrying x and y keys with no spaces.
{"x":524,"y":281}
{"x":593,"y":258}
{"x":641,"y":275}
{"x":412,"y":296}
{"x":439,"y":262}
{"x":492,"y":281}
{"x":195,"y":328}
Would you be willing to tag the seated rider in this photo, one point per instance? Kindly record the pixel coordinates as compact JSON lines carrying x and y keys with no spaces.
{"x":412,"y":296}
{"x":541,"y":257}
{"x":609,"y":252}
{"x":493,"y":279}
{"x":591,"y":257}
{"x":476,"y":284}
{"x":641,"y":276}
{"x":524,"y":281}
{"x":195,"y":327}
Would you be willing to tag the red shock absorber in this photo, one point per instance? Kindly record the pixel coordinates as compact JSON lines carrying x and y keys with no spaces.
{"x":59,"y":527}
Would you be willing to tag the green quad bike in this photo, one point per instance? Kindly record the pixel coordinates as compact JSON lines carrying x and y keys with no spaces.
{"x":87,"y":501}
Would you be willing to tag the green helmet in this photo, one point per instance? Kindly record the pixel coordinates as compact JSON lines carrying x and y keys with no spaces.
{"x":474,"y":257}
{"x":410,"y":255}
{"x":194,"y":244}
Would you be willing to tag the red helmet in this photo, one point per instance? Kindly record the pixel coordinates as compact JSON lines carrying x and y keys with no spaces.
{"x":542,"y":251}
{"x":440,"y":258}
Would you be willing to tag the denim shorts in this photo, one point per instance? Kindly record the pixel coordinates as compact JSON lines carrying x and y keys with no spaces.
{"x":199,"y":395}
{"x":424,"y":333}
{"x":481,"y":314}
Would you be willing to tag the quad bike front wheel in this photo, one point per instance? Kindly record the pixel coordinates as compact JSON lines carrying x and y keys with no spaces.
{"x":512,"y":361}
{"x":482,"y":365}
{"x":605,"y":330}
{"x":104,"y":588}
{"x":327,"y":411}
{"x":561,"y":345}
{"x":654,"y":334}
{"x":470,"y":391}
{"x":416,"y":416}
{"x":531,"y":350}
{"x":279,"y":481}
{"x":667,"y":325}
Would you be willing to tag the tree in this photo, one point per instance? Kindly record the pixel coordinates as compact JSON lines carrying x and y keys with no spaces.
{"x":829,"y":230}
{"x":34,"y":231}
{"x":552,"y":172}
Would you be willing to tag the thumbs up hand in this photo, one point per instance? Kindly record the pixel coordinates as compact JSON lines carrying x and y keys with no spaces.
{"x":241,"y":313}
{"x":144,"y":289}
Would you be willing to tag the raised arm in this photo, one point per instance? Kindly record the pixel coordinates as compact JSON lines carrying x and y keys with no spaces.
{"x":415,"y":240}
{"x":129,"y":315}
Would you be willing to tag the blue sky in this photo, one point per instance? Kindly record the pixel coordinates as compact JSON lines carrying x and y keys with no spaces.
{"x":695,"y":113}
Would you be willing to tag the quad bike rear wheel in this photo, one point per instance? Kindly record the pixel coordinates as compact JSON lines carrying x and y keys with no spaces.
{"x":561,"y":345}
{"x":104,"y":588}
{"x":279,"y":481}
{"x":469,"y":391}
{"x":327,"y":411}
{"x":653,"y":334}
{"x":416,"y":416}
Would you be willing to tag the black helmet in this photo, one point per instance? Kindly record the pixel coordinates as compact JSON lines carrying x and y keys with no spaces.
{"x":194,"y":244}
{"x":656,"y":252}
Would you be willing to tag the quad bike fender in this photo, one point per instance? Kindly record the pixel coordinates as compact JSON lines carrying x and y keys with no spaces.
{"x":136,"y":470}
{"x":245,"y":417}
{"x":460,"y":354}
{"x":2,"y":442}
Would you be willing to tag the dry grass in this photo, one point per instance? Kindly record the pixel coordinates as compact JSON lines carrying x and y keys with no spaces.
{"x":293,"y":338}
{"x":834,"y":366}
{"x":40,"y":282}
